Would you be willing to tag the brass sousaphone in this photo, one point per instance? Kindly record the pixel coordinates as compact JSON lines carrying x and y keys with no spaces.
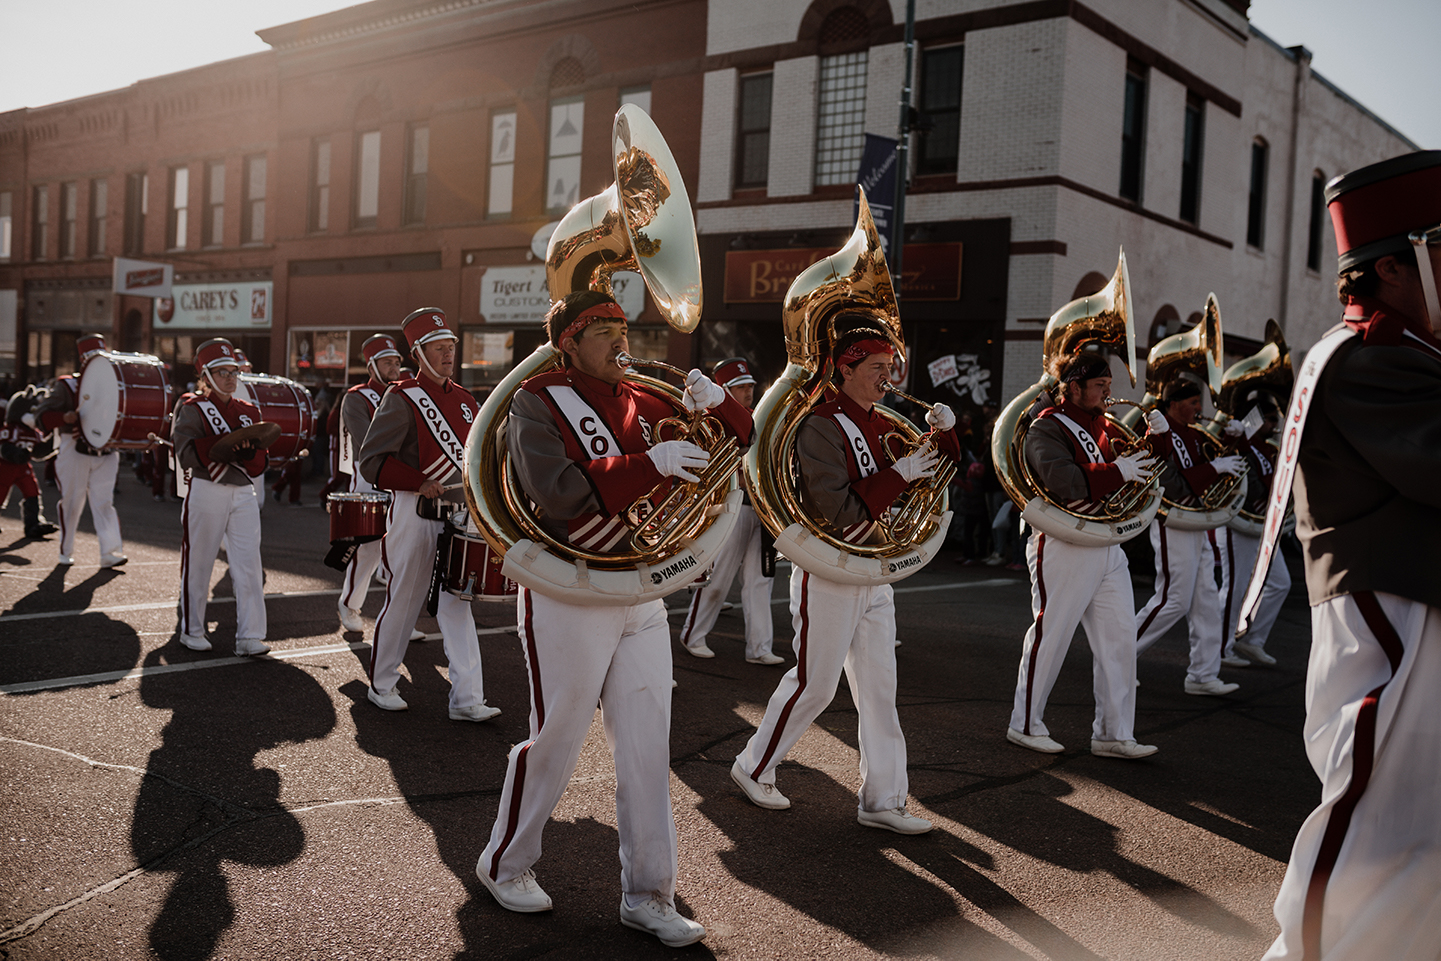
{"x":1268,"y":370}
{"x":642,"y":222}
{"x":854,"y":278}
{"x":1195,"y":354}
{"x":1100,"y":321}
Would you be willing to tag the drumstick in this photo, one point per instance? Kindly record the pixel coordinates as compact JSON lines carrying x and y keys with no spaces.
{"x":155,"y":439}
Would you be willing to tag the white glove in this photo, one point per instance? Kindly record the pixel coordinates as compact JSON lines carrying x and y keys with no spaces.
{"x":702,"y":393}
{"x":1233,"y":428}
{"x":1135,"y":466}
{"x":1232,"y":464}
{"x":940,"y":417}
{"x":672,"y":457}
{"x":28,"y":419}
{"x":1156,"y":422}
{"x":920,"y":464}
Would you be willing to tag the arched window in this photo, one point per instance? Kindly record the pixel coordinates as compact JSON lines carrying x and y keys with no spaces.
{"x":1090,"y":284}
{"x":567,"y":124}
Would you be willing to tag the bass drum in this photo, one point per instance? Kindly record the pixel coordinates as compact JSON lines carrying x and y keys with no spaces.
{"x":124,"y":398}
{"x":282,"y":401}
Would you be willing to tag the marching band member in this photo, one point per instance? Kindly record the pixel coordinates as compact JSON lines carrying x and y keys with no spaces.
{"x":415,"y":448}
{"x":357,"y":408}
{"x":17,"y":442}
{"x":851,"y":478}
{"x":743,"y":552}
{"x":1184,"y":569}
{"x":583,"y":445}
{"x":1236,"y":552}
{"x":1362,"y":881}
{"x":1069,"y":450}
{"x":81,"y":471}
{"x":220,"y":503}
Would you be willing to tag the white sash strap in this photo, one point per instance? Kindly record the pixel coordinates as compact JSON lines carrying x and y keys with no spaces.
{"x":218,"y":425}
{"x":452,"y":448}
{"x":860,"y":447}
{"x":1182,"y":454}
{"x":595,"y":438}
{"x":1083,"y":437}
{"x":345,"y":461}
{"x":1286,"y":466}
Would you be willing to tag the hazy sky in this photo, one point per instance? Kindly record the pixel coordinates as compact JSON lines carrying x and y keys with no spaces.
{"x":1381,"y":52}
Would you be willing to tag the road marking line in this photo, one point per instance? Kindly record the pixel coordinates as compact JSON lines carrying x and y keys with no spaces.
{"x":959,"y":585}
{"x":55,"y":683}
{"x":151,"y":606}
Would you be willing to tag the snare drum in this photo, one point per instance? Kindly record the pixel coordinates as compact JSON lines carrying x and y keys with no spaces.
{"x":284,"y":402}
{"x":124,"y":398}
{"x":357,"y":516}
{"x":472,"y":570}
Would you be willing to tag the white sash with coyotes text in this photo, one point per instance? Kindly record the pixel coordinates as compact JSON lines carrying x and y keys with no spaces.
{"x":599,"y":533}
{"x":345,"y":460}
{"x":452,"y":448}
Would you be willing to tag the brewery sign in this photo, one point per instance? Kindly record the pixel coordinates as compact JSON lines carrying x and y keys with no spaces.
{"x":932,"y":272}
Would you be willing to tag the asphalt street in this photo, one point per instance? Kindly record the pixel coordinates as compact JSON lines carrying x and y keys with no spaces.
{"x":159,"y":802}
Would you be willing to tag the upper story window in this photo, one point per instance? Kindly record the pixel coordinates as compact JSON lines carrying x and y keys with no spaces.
{"x":502,"y":163}
{"x":940,"y":108}
{"x":367,"y":178}
{"x":1256,"y":198}
{"x":7,"y":207}
{"x":841,"y":101}
{"x":212,"y":230}
{"x":69,"y":218}
{"x":1318,"y":219}
{"x":252,"y":211}
{"x":1192,"y":149}
{"x":320,"y":184}
{"x":753,"y":130}
{"x":178,"y":220}
{"x":417,"y":163}
{"x":39,"y":221}
{"x":640,"y":96}
{"x":99,"y":215}
{"x":137,"y":205}
{"x":567,"y":122}
{"x":1133,"y":131}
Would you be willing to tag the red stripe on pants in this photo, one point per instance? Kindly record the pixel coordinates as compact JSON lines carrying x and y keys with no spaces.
{"x":802,"y":639}
{"x":1040,"y":618}
{"x":1363,"y":759}
{"x":516,"y":793}
{"x":1165,"y":586}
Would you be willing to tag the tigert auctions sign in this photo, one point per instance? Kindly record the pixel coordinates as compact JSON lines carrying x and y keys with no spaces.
{"x":244,"y":305}
{"x":518,"y":295}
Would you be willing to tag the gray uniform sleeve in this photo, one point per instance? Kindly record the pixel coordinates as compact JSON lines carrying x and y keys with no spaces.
{"x":1052,"y":460}
{"x":825,"y":481}
{"x":189,"y":425}
{"x":391,"y":433}
{"x":556,"y":483}
{"x":355,"y":417}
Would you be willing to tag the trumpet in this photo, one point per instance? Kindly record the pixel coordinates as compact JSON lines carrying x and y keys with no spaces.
{"x":665,"y":524}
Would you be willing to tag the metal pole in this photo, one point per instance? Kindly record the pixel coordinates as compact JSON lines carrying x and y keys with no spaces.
{"x":903,"y":150}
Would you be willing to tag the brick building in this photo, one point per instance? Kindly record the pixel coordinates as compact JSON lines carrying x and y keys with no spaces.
{"x":410,"y":152}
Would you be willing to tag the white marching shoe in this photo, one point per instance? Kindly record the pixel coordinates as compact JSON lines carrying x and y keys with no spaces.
{"x":767,"y":658}
{"x":349,"y":618}
{"x":196,"y":642}
{"x":658,"y":917}
{"x":1035,"y":742}
{"x":897,"y":820}
{"x":761,"y":795}
{"x":521,"y":893}
{"x":250,"y":647}
{"x":1253,"y":653}
{"x":1214,"y":686}
{"x":476,"y":712}
{"x":1123,"y":749}
{"x":386,"y":700}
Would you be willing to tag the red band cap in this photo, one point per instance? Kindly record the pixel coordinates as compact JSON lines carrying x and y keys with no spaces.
{"x":1374,"y":208}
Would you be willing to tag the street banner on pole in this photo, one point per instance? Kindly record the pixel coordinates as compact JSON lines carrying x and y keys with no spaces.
{"x":142,"y":278}
{"x":878,"y":176}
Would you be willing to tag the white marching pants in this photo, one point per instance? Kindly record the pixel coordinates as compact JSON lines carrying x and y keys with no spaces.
{"x":1364,"y":879}
{"x":213,"y":512}
{"x":575,"y":656}
{"x":408,"y":553}
{"x":85,"y":475}
{"x":838,"y":626}
{"x":741,"y":551}
{"x":1236,"y":554}
{"x":1185,"y":587}
{"x":358,"y":574}
{"x":1090,"y":587}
